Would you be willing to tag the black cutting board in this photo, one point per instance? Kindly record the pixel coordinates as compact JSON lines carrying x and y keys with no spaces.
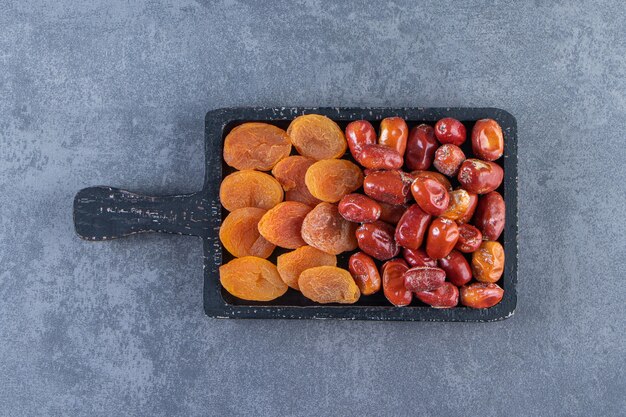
{"x":102,"y":213}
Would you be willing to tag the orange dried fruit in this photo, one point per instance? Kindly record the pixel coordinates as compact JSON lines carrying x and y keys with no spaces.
{"x":317,"y":137}
{"x":460,"y":201}
{"x":331,"y":179}
{"x":325,"y":229}
{"x":329,"y":284}
{"x":488,"y":262}
{"x":250,"y":188}
{"x":291,"y":264}
{"x":256,"y":146}
{"x":290,"y":173}
{"x":240,"y":235}
{"x":252,"y":278}
{"x":282,"y":224}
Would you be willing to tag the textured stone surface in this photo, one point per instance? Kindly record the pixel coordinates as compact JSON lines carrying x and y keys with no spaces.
{"x":114,"y":92}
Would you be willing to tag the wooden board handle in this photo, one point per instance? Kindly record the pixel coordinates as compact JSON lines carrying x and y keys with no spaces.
{"x":102,"y":213}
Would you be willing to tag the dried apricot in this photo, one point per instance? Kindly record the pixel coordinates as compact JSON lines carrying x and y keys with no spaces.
{"x":331,"y":179}
{"x":325,"y":229}
{"x":240,"y":235}
{"x":291,"y":264}
{"x":252,"y":278}
{"x":250,"y":188}
{"x":256,"y":146}
{"x":282,"y":224}
{"x":290,"y":174}
{"x":329,"y":284}
{"x":317,"y":137}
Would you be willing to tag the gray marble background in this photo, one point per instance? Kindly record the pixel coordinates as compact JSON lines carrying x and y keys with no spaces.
{"x":114,"y":93}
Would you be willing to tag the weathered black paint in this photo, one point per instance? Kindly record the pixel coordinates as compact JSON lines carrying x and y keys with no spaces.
{"x":102,"y":213}
{"x":105,"y":213}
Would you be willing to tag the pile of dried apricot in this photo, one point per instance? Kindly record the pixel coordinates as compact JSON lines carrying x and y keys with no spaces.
{"x":426,"y":219}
